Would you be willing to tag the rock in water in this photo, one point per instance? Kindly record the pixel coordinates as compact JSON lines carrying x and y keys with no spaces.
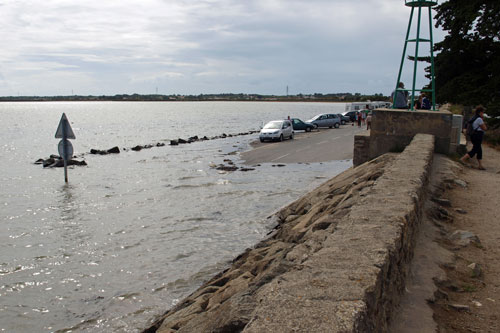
{"x":99,"y":152}
{"x":48,"y":162}
{"x":75,"y":162}
{"x":114,"y":150}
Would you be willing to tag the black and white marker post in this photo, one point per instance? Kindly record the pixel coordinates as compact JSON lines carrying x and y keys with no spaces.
{"x":65,"y":148}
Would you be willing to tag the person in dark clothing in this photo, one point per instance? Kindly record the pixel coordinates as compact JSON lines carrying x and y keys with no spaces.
{"x":418,"y":103}
{"x":478,"y":127}
{"x":425,"y":104}
{"x":400,"y":97}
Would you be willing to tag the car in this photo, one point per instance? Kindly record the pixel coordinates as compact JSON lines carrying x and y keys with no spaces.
{"x":325,"y":120}
{"x":299,"y":125}
{"x":351,"y":115}
{"x":276,"y":130}
{"x":343,"y":119}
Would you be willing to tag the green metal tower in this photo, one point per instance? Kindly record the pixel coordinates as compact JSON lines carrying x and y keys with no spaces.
{"x":418,"y":4}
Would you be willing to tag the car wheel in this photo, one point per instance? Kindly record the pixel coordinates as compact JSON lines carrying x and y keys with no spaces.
{"x":343,"y":122}
{"x":281,"y":138}
{"x":291,"y":136}
{"x":337,"y":125}
{"x":329,"y":126}
{"x":315,"y":126}
{"x":308,"y":129}
{"x":261,"y":140}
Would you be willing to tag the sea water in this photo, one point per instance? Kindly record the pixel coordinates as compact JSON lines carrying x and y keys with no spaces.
{"x":132,"y":233}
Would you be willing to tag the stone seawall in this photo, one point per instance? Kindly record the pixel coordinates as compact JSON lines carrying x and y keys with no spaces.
{"x":336,"y":262}
{"x":393,"y":129}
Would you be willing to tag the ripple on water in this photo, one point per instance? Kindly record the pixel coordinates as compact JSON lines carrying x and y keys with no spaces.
{"x":196,"y":219}
{"x":141,"y":225}
{"x":203,"y":185}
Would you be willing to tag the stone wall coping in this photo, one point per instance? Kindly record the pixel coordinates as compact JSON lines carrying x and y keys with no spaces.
{"x":413,"y":111}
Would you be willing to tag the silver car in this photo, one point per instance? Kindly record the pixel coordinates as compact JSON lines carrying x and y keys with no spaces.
{"x":326,"y":120}
{"x":276,"y":130}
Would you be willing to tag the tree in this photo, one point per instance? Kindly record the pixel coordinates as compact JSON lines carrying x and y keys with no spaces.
{"x":467,"y":67}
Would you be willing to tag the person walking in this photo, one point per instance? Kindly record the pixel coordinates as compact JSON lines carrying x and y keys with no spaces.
{"x":359,"y":118}
{"x":400,"y":97}
{"x":369,"y":121}
{"x":478,"y":129}
{"x":364,"y":113}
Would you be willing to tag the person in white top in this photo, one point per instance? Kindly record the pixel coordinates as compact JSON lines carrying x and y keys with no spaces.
{"x":478,"y":127}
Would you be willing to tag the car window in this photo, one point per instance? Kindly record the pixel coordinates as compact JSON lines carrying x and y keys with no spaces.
{"x":273,"y":125}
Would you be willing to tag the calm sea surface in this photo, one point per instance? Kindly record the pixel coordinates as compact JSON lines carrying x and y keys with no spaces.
{"x":132,"y":233}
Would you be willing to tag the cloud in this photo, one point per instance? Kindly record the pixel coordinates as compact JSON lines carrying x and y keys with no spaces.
{"x":203,"y":46}
{"x":153,"y":76}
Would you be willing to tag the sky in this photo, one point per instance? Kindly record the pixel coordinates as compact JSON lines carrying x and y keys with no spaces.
{"x":191,"y":47}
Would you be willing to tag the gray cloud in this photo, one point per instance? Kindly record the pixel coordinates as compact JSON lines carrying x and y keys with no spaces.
{"x":192,"y":47}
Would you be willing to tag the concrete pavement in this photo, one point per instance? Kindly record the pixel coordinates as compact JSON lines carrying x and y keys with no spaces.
{"x":308,"y":147}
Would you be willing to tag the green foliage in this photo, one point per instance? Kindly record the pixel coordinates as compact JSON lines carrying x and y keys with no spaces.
{"x":492,"y":135}
{"x":467,"y":68}
{"x":469,"y":288}
{"x":457,"y":109}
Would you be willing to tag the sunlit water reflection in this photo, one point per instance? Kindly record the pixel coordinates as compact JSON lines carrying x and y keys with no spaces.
{"x":131,"y":233}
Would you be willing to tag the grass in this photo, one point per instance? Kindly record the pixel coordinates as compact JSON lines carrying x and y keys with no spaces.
{"x":478,"y":245}
{"x":456,"y":109}
{"x":469,"y":288}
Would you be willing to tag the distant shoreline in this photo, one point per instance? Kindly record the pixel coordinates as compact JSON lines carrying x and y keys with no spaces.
{"x":104,"y":100}
{"x":329,"y":98}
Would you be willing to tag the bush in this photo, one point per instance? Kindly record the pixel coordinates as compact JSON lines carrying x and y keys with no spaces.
{"x":492,"y":135}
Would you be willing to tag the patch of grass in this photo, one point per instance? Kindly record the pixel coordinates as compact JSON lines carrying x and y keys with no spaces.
{"x":469,"y":288}
{"x":456,"y":109}
{"x":478,"y":245}
{"x":492,"y":135}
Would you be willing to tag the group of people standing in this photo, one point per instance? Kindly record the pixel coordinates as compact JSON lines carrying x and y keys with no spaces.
{"x":364,"y":117}
{"x":401,"y":99}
